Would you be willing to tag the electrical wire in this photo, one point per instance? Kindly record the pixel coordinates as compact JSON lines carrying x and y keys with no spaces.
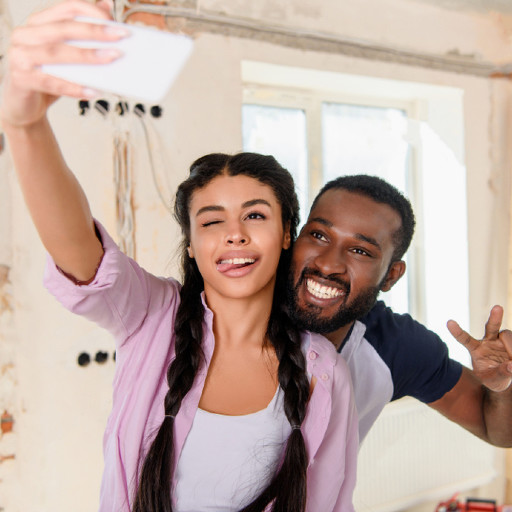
{"x":123,"y":186}
{"x":146,"y":128}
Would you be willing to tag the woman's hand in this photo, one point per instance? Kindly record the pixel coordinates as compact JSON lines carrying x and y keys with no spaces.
{"x":28,"y":92}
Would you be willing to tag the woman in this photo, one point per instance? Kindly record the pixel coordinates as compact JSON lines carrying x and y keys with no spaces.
{"x":219,"y":403}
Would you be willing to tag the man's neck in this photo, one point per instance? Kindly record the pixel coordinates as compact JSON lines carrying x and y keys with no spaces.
{"x":337,"y":337}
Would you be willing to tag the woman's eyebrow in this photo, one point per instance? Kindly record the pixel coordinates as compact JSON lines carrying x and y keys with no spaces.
{"x":212,"y":208}
{"x":218,"y":208}
{"x":254,"y":202}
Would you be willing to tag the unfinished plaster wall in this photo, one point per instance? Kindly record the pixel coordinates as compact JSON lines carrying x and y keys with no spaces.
{"x":59,"y":407}
{"x":8,"y":377}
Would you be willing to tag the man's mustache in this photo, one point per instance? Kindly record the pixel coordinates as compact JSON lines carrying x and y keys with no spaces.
{"x":310,"y":272}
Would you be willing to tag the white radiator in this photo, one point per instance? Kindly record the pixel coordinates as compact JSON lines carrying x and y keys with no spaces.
{"x":413,"y":454}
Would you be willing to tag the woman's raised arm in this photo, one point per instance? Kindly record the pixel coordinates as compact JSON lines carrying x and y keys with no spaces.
{"x":54,"y":197}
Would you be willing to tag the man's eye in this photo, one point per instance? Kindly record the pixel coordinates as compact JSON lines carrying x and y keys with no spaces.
{"x":318,"y":236}
{"x":362,"y":252}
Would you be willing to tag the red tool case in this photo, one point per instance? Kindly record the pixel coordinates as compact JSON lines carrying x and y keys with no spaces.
{"x":471,"y":505}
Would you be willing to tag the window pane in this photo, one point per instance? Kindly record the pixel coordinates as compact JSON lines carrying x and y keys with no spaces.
{"x":367,"y":140}
{"x":280,"y":132}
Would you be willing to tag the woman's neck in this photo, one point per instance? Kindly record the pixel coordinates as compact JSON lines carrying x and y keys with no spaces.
{"x":240,"y":320}
{"x":242,"y":375}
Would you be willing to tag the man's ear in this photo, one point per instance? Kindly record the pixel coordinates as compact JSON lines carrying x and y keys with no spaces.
{"x":395,"y":272}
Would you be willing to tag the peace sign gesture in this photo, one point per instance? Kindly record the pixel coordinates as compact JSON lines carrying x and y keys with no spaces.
{"x":492,"y":355}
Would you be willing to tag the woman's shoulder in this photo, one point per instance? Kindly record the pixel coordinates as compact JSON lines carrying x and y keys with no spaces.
{"x":135,"y":280}
{"x":122,"y":294}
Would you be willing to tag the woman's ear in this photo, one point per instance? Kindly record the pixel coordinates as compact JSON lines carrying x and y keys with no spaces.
{"x":287,"y":239}
{"x":190,"y":252}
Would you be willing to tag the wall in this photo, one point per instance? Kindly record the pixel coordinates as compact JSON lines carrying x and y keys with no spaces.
{"x":60,"y":408}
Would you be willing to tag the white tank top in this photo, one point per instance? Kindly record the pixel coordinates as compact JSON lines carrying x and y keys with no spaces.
{"x":227,"y":461}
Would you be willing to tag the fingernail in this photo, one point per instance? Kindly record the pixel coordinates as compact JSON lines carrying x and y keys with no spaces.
{"x":114,"y":30}
{"x":108,"y":53}
{"x":90,"y":93}
{"x":108,"y":3}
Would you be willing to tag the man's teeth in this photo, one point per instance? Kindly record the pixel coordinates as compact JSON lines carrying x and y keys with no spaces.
{"x":321,"y":291}
{"x":237,"y":261}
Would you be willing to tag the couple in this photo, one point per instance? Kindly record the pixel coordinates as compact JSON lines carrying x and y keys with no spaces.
{"x":220,"y":401}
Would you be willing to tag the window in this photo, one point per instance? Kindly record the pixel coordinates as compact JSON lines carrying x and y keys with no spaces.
{"x":321,"y":125}
{"x":280,"y":132}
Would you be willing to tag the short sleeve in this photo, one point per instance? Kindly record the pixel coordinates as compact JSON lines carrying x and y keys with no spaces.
{"x":121,"y":295}
{"x":417,"y":357}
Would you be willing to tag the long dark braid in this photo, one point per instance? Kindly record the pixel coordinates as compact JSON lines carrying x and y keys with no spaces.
{"x":154,"y":488}
{"x":288,"y":487}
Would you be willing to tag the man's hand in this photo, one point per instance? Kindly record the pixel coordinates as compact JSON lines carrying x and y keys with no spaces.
{"x":492,"y":355}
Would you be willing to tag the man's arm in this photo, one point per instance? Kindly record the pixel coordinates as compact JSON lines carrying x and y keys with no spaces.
{"x":481,"y":401}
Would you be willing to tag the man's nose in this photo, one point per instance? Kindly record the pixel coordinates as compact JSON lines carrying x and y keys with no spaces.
{"x":330,"y":261}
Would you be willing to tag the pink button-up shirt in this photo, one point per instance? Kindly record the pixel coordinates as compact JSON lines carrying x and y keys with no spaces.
{"x":139,"y":310}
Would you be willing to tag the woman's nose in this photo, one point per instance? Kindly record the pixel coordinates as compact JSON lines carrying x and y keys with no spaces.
{"x":237,"y":240}
{"x":237,"y":236}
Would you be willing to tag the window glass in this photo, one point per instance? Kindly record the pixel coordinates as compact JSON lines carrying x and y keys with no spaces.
{"x":280,"y":132}
{"x":368,"y":140}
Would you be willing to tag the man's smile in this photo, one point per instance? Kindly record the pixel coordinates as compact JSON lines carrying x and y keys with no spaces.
{"x":321,"y":291}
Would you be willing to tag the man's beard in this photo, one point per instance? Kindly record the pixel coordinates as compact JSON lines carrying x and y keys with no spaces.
{"x":310,"y":318}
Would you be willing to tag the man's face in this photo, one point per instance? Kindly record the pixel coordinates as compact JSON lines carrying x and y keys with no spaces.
{"x":341,"y":260}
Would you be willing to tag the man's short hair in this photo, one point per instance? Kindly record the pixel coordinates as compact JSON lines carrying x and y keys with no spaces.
{"x":381,"y":192}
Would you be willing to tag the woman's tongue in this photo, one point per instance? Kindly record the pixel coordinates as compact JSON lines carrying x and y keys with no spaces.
{"x":226,"y":266}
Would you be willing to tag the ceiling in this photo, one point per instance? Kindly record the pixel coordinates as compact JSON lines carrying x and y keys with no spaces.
{"x":503,"y":6}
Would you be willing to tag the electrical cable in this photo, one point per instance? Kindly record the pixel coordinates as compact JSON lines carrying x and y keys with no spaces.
{"x":144,"y":124}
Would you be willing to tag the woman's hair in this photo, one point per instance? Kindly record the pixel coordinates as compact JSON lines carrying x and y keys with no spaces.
{"x":288,"y":486}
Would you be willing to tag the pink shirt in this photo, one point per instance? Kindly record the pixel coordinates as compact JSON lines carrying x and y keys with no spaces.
{"x":139,"y":309}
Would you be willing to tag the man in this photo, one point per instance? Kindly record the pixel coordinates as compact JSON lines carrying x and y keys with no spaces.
{"x":349,"y":250}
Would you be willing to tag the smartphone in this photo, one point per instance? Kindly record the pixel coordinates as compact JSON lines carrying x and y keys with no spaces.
{"x":151,"y":61}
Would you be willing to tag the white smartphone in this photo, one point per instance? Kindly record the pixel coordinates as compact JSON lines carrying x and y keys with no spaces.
{"x":151,"y":61}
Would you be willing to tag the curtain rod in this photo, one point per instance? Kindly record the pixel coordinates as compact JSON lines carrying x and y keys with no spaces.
{"x":314,"y":40}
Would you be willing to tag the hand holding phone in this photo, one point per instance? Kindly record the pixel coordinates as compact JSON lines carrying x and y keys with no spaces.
{"x":151,"y":60}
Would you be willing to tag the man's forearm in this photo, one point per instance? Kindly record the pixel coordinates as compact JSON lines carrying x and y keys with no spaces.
{"x":497,"y":413}
{"x":484,"y":413}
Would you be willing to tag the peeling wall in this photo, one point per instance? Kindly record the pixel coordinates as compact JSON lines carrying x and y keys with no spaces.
{"x":398,"y":23}
{"x":59,"y":406}
{"x":8,"y":382}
